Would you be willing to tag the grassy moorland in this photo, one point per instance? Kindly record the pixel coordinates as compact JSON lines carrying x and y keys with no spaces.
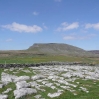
{"x":47,"y":58}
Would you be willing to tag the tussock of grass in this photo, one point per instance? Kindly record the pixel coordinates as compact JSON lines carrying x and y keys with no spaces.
{"x":1,"y":70}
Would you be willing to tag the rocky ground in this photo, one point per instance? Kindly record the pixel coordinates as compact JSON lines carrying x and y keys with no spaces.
{"x":46,"y":82}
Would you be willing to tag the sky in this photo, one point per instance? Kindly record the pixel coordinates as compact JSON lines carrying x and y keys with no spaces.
{"x":25,"y":22}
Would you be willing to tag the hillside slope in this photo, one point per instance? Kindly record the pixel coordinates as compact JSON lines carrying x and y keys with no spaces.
{"x":58,"y":48}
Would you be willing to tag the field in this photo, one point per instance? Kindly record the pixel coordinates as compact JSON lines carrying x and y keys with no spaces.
{"x":47,"y":58}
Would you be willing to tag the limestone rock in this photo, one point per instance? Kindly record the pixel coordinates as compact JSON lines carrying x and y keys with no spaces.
{"x":33,"y":84}
{"x":36,"y":77}
{"x":54,"y":94}
{"x":1,"y":85}
{"x":22,"y":84}
{"x":6,"y":78}
{"x":22,"y":78}
{"x":37,"y":96}
{"x":2,"y":96}
{"x":24,"y":91}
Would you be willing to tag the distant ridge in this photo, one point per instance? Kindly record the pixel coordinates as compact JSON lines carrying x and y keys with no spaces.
{"x":58,"y":48}
{"x":94,"y":51}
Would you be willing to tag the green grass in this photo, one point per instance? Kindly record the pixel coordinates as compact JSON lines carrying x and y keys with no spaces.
{"x":10,"y":94}
{"x":93,"y":91}
{"x":47,"y":58}
{"x":22,"y":73}
{"x":1,"y":70}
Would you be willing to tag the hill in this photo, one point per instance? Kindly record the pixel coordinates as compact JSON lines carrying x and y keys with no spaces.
{"x":58,"y":48}
{"x":94,"y":51}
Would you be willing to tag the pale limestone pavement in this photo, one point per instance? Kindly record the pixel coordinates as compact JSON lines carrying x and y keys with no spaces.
{"x":56,"y":78}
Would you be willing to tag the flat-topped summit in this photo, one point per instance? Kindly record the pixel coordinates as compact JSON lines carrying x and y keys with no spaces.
{"x":57,"y":48}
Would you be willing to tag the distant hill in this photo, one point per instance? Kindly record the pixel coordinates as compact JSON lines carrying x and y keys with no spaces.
{"x":94,"y":51}
{"x":50,"y":49}
{"x":58,"y":48}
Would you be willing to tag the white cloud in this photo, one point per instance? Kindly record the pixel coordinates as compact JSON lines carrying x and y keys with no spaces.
{"x":95,"y":26}
{"x":8,"y":40}
{"x":58,"y":0}
{"x":65,"y":26}
{"x":78,"y":37}
{"x":35,"y":13}
{"x":69,"y":38}
{"x":44,"y":26}
{"x":22,"y":28}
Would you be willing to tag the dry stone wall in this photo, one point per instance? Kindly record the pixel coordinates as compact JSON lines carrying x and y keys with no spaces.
{"x":44,"y":64}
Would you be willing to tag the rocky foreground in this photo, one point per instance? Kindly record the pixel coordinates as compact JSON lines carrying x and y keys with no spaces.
{"x":45,"y":82}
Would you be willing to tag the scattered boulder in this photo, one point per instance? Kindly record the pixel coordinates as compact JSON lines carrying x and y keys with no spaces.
{"x":54,"y":94}
{"x":22,"y":84}
{"x":2,"y":96}
{"x":36,"y":77}
{"x":23,"y":92}
{"x":7,"y":78}
{"x":33,"y":84}
{"x":1,"y":85}
{"x":37,"y":96}
{"x":22,"y":78}
{"x":49,"y":84}
{"x":26,"y":71}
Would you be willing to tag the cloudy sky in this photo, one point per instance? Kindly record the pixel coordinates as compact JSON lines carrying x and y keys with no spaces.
{"x":25,"y":22}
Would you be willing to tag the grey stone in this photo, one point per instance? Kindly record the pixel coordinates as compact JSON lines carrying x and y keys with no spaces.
{"x":54,"y":94}
{"x":22,"y":84}
{"x":49,"y":84}
{"x":24,"y":91}
{"x":37,"y":96}
{"x":2,"y":96}
{"x":1,"y":85}
{"x":22,"y":78}
{"x":36,"y":77}
{"x":6,"y":78}
{"x":26,"y":71}
{"x":33,"y":84}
